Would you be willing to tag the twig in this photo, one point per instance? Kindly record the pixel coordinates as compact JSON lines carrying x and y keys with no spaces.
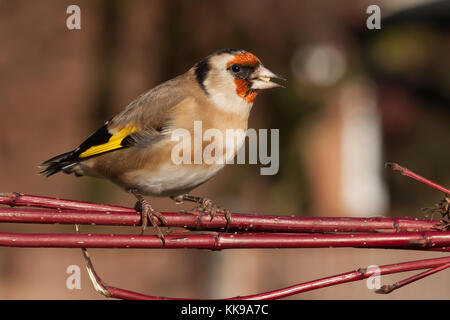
{"x":298,"y":232}
{"x":351,"y":276}
{"x":439,"y":241}
{"x":389,"y":288}
{"x":95,"y":279}
{"x":246,"y":222}
{"x":20,"y":199}
{"x":406,"y":172}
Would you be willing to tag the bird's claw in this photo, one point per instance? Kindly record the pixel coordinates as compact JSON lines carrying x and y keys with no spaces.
{"x":150,"y":214}
{"x":207,"y":206}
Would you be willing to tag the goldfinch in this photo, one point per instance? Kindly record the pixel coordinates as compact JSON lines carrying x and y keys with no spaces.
{"x":134,"y":148}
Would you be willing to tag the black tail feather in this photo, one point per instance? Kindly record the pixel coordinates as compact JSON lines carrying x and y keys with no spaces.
{"x":58,"y":157}
{"x":57,"y":164}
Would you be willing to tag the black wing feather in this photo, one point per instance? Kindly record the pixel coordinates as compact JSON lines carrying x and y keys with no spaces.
{"x":58,"y":163}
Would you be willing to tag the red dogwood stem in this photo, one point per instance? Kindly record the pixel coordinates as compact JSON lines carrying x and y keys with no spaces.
{"x":393,"y":233}
{"x":408,"y":173}
{"x":351,"y":276}
{"x":19,"y":199}
{"x":217,"y":240}
{"x":389,"y":288}
{"x":359,"y":274}
{"x":246,"y":222}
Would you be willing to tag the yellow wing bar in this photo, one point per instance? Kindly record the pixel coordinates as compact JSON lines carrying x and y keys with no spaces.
{"x":113,"y":143}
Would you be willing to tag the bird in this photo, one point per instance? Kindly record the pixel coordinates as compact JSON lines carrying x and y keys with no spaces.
{"x":134,"y":148}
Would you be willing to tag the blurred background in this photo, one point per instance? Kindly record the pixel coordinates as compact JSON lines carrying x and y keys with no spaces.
{"x":355,"y":99}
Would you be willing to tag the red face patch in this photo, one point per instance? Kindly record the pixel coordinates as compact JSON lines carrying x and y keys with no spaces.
{"x":245,"y":59}
{"x":242,"y":89}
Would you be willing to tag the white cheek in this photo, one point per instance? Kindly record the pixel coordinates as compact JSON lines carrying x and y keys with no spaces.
{"x":222,"y":89}
{"x":228,"y":100}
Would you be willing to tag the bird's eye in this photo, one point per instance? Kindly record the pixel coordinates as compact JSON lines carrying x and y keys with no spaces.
{"x":235,"y":68}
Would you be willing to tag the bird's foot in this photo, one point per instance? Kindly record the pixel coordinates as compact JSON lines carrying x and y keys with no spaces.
{"x":206,"y":206}
{"x":149,"y":214}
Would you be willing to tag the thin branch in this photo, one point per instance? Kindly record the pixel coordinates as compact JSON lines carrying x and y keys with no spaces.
{"x":406,"y":172}
{"x":351,"y":276}
{"x":216,"y":240}
{"x":389,"y":288}
{"x":19,"y":199}
{"x":393,"y":233}
{"x":95,"y":279}
{"x":359,"y":274}
{"x":245,"y":222}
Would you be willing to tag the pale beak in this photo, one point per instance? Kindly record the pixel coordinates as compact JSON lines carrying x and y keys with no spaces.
{"x":260,"y":78}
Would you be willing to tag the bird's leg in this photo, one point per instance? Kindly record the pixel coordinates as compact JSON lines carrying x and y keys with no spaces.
{"x":206,"y":206}
{"x":148,"y":213}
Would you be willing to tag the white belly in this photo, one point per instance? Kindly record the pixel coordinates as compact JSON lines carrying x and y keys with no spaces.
{"x":173,"y":180}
